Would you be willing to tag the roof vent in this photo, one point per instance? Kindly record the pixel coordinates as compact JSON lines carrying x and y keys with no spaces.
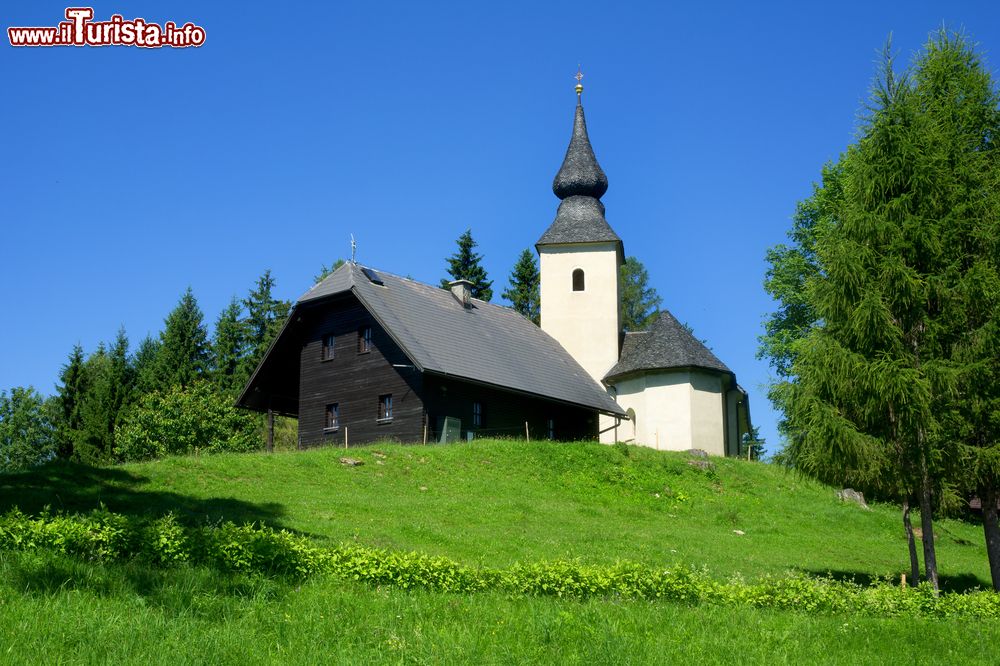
{"x":462,"y":291}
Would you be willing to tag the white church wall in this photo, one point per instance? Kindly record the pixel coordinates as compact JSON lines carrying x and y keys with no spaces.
{"x":586,"y":322}
{"x":707,"y":416}
{"x":675,"y":411}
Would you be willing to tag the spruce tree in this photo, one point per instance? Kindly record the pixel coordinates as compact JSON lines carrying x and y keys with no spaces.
{"x":145,"y":366}
{"x":265,"y":317}
{"x":640,"y":302}
{"x":524,"y":285}
{"x":465,"y":265}
{"x":70,"y":396}
{"x":229,"y":347}
{"x":184,"y":351}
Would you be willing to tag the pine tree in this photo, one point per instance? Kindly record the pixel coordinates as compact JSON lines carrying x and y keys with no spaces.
{"x":524,"y":285}
{"x":465,"y":265}
{"x":229,"y":347}
{"x":640,"y":302}
{"x":184,"y":351}
{"x":70,"y":396}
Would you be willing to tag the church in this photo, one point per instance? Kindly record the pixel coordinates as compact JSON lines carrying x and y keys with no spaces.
{"x":366,"y":355}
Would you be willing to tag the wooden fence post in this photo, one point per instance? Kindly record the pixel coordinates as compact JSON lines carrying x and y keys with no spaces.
{"x":270,"y":430}
{"x":527,"y":435}
{"x":345,"y":437}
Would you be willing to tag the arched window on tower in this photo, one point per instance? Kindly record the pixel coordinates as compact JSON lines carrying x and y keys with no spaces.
{"x":578,"y":279}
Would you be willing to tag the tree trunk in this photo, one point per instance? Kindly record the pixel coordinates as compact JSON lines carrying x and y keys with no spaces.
{"x":911,"y":544}
{"x":927,"y":523}
{"x":988,"y":496}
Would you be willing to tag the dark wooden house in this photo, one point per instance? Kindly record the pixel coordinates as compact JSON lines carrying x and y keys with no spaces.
{"x":383,"y":357}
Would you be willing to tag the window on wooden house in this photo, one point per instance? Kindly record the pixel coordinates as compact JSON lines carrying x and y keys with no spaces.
{"x":551,"y":427}
{"x":328,"y":341}
{"x":364,"y":339}
{"x":332,"y":416}
{"x":385,"y":407}
{"x":578,"y":282}
{"x":477,"y":414}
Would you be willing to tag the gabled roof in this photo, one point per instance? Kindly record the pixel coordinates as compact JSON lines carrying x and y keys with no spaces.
{"x":486,"y":343}
{"x":666,"y":345}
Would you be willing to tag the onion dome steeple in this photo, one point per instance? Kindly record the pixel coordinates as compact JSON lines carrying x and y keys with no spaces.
{"x":580,"y":184}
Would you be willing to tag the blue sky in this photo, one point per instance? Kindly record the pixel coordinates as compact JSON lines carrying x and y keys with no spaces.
{"x":131,"y":174}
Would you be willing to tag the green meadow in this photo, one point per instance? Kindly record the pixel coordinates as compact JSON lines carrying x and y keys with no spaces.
{"x":485,"y":504}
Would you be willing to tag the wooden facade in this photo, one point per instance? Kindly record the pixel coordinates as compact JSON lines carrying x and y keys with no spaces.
{"x":354,"y":379}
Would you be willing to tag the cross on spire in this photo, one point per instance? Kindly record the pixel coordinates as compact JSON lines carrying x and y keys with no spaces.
{"x":579,"y":80}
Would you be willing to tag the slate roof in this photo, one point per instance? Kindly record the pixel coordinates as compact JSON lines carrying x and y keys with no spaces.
{"x":486,"y":343}
{"x":666,"y":345}
{"x":580,"y":184}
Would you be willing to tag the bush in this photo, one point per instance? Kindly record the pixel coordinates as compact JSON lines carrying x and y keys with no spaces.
{"x":183,"y":421}
{"x":261,"y":550}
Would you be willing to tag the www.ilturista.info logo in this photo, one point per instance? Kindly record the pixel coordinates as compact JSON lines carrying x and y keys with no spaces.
{"x":80,"y":30}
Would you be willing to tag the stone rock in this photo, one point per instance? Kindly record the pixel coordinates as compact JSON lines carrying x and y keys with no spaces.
{"x":739,"y":532}
{"x":698,"y":453}
{"x":852,"y":495}
{"x":351,"y":462}
{"x":703,"y":465}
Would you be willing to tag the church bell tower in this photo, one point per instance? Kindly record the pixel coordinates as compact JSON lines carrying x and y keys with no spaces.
{"x":580,"y":256}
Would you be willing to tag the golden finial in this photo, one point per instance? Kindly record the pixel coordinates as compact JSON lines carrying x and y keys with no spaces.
{"x":579,"y":78}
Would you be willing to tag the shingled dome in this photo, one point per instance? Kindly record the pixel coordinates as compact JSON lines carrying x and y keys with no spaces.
{"x":666,"y":345}
{"x":580,"y":184}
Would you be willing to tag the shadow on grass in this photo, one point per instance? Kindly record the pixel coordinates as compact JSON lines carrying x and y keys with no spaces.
{"x":949,"y":582}
{"x":75,"y":487}
{"x":183,"y":590}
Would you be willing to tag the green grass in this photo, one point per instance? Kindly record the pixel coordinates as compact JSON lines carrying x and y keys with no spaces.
{"x":53,"y":609}
{"x":490,"y":503}
{"x":495,"y":503}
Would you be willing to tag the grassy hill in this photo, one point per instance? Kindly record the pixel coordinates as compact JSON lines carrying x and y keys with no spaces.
{"x":489,"y":503}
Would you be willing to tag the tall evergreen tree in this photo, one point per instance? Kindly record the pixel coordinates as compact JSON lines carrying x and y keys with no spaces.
{"x":184,"y":351}
{"x":524,"y":286}
{"x":465,"y":265}
{"x":71,"y":395}
{"x":93,"y":443}
{"x":145,"y":366}
{"x":265,"y":317}
{"x":229,"y":347}
{"x":640,"y":302}
{"x":875,"y":384}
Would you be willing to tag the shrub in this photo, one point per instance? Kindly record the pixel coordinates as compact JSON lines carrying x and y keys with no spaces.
{"x":183,"y":421}
{"x":261,"y":550}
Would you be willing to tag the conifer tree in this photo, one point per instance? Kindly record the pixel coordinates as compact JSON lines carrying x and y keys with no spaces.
{"x":145,"y":366}
{"x":465,"y":265}
{"x":524,"y":285}
{"x":265,"y":317}
{"x":640,"y":302}
{"x":184,"y":351}
{"x":228,"y":347}
{"x":71,"y":395}
{"x":877,"y":382}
